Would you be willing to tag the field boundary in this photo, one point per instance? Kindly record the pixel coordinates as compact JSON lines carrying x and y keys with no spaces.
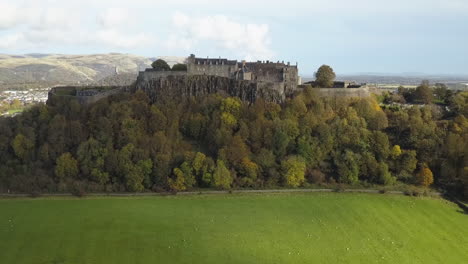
{"x":19,"y":195}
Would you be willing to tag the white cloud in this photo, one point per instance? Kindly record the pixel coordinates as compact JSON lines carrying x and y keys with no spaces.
{"x":50,"y":18}
{"x":29,"y":27}
{"x":251,"y":41}
{"x":113,"y":17}
{"x":10,"y":15}
{"x":11,"y":40}
{"x":115,"y":38}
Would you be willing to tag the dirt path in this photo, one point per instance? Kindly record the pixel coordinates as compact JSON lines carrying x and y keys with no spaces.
{"x":13,"y":195}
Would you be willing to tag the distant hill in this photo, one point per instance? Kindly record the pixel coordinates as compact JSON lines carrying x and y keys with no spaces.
{"x":44,"y":70}
{"x":117,"y":79}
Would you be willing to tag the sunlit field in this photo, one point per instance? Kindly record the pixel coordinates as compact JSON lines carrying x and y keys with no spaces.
{"x":238,"y":228}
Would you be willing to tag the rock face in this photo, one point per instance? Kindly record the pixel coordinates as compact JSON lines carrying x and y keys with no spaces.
{"x":174,"y":85}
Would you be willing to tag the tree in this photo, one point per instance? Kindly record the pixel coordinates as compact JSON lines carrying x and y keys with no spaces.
{"x":177,"y":184}
{"x":424,"y":177}
{"x":442,"y":92}
{"x":405,"y":164}
{"x":160,"y":65}
{"x":348,"y":167}
{"x":249,"y":170}
{"x":179,"y":67}
{"x":459,"y":103}
{"x":395,"y":152}
{"x":293,"y":170}
{"x":235,"y":151}
{"x":188,"y":171}
{"x":56,"y":136}
{"x":133,"y":169}
{"x":23,"y":147}
{"x":423,"y":93}
{"x":385,"y":177}
{"x":67,"y":166}
{"x":222,"y":177}
{"x":325,"y":76}
{"x":91,"y":157}
{"x":16,"y":104}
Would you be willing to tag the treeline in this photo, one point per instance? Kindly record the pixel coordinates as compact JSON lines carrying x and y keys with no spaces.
{"x":125,"y":143}
{"x":423,"y":94}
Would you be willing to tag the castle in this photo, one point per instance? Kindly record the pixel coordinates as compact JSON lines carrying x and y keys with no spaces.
{"x":249,"y":80}
{"x":284,"y":76}
{"x":271,"y":81}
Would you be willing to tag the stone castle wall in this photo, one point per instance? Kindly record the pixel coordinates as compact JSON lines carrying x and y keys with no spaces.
{"x":212,"y":69}
{"x":152,"y":75}
{"x":342,"y":92}
{"x":83,"y":96}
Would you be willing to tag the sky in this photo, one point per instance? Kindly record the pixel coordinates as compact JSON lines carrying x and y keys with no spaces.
{"x":352,"y":36}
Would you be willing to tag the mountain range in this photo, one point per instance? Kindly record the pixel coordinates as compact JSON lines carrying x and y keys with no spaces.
{"x":46,"y":70}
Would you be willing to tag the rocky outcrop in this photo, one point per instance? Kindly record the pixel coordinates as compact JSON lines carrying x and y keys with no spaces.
{"x":175,"y":86}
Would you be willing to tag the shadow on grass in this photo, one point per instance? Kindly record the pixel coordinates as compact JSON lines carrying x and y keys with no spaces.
{"x":463,"y":208}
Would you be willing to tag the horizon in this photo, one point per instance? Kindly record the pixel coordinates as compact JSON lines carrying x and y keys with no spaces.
{"x":426,"y":37}
{"x":305,"y":75}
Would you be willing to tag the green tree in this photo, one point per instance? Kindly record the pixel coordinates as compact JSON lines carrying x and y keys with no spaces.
{"x":442,"y":92}
{"x":406,"y":163}
{"x":222,"y":177}
{"x":160,"y":65}
{"x":67,"y":166}
{"x":133,"y":169}
{"x":189,"y":176}
{"x":177,"y":184}
{"x":179,"y":67}
{"x":91,"y":157}
{"x":325,"y":76}
{"x":385,"y":177}
{"x":249,"y":170}
{"x":293,"y":171}
{"x":348,"y":167}
{"x":459,"y":103}
{"x":395,"y":152}
{"x":424,"y":93}
{"x":23,"y":147}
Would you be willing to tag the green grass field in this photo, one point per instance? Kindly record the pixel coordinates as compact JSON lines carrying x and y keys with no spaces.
{"x":247,"y":228}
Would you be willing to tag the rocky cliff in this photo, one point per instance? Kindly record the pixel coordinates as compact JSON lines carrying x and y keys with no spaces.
{"x":175,"y":86}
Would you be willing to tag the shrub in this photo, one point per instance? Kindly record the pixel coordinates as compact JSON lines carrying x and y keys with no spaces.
{"x":34,"y":194}
{"x":416,"y":192}
{"x":157,"y":189}
{"x":412,"y":191}
{"x":179,"y":67}
{"x":339,"y":188}
{"x":316,"y":176}
{"x":78,"y":189}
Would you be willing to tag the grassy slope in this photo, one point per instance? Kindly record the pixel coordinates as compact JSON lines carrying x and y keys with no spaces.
{"x":279,"y":228}
{"x":26,"y":71}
